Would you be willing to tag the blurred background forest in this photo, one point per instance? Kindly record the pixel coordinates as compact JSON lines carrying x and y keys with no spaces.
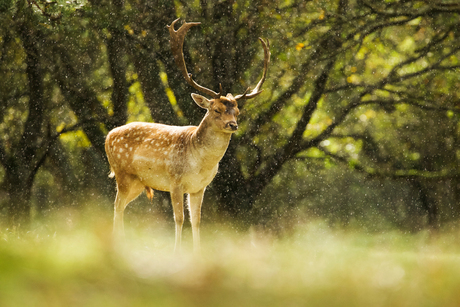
{"x":358,"y":123}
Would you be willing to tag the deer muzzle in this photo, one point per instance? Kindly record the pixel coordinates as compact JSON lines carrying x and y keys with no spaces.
{"x":232,"y":126}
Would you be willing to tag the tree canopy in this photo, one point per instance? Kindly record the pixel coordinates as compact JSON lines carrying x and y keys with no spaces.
{"x":365,"y":85}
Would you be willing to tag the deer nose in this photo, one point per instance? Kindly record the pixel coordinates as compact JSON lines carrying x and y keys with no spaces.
{"x":232,"y":125}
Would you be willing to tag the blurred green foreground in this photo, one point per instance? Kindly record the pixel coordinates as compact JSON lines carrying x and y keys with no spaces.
{"x":75,"y":263}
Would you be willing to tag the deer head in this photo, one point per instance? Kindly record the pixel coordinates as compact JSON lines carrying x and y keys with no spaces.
{"x":224,"y":109}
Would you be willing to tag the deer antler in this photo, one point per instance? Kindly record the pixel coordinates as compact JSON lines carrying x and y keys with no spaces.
{"x":256,"y":91}
{"x":177,"y":44}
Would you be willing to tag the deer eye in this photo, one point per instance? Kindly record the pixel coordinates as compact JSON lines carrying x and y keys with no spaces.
{"x":217,"y":111}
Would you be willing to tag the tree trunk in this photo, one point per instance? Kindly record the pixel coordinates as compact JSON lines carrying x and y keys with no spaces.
{"x":22,"y":162}
{"x":19,"y":191}
{"x":116,"y":51}
{"x":429,"y":205}
{"x":235,"y":194}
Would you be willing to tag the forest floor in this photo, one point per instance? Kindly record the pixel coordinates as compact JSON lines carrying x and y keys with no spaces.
{"x":64,"y":262}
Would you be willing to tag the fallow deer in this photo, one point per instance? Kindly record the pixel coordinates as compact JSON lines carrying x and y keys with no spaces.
{"x":150,"y":156}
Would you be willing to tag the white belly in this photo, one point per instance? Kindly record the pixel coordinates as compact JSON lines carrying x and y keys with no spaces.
{"x":163,"y":174}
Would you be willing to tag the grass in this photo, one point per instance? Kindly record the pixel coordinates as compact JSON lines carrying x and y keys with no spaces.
{"x":77,"y":263}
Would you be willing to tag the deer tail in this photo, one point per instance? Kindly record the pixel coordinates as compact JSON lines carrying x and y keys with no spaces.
{"x":112,"y":173}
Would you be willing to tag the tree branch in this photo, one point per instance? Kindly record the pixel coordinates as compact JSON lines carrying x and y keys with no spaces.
{"x":116,"y":51}
{"x":411,"y":102}
{"x":310,"y":108}
{"x":288,"y":151}
{"x":3,"y":156}
{"x":293,"y":89}
{"x":393,"y":174}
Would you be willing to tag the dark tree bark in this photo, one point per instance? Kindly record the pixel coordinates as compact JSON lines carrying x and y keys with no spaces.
{"x":116,"y":51}
{"x":429,"y":205}
{"x":23,"y":160}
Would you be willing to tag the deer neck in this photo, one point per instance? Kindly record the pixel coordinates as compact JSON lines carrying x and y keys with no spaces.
{"x":210,"y":143}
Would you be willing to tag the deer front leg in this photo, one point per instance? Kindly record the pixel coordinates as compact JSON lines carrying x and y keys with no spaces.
{"x":195,"y":201}
{"x":177,"y":199}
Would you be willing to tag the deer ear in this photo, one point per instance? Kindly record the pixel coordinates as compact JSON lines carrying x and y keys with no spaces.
{"x":201,"y":101}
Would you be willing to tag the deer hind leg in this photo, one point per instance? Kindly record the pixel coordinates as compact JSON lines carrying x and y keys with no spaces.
{"x":177,"y":199}
{"x":194,"y":202}
{"x":128,"y":188}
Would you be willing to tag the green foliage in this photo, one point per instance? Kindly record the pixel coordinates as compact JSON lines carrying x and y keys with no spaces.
{"x":356,"y":85}
{"x":5,"y":5}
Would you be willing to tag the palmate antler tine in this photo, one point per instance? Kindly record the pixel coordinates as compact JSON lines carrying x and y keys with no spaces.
{"x":257,"y":90}
{"x":177,"y":45}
